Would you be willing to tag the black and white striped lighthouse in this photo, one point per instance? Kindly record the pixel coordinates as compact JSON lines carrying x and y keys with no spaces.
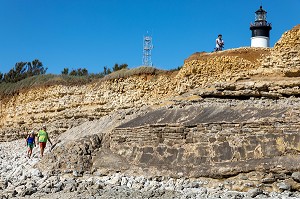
{"x":260,"y":29}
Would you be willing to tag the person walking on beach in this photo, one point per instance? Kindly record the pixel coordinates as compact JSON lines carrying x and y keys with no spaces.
{"x":42,"y":138}
{"x":30,"y":143}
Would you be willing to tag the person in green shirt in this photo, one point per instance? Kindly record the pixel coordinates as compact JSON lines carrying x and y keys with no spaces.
{"x":42,"y":139}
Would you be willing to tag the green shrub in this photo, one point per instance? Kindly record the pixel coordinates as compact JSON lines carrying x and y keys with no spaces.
{"x":23,"y":70}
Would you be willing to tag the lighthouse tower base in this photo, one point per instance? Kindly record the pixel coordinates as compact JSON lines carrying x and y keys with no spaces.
{"x":260,"y":41}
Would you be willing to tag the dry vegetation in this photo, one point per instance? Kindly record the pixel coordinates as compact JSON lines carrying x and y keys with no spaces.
{"x":124,"y":73}
{"x":250,"y":54}
{"x":8,"y":89}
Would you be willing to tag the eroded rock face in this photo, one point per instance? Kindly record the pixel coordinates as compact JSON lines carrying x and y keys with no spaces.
{"x":83,"y":149}
{"x":224,"y":113}
{"x":64,"y":107}
{"x":73,"y":155}
{"x":236,"y":73}
{"x":220,"y":66}
{"x":213,"y":140}
{"x":285,"y":55}
{"x":251,"y":142}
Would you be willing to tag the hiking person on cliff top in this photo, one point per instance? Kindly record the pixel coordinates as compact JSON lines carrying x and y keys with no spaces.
{"x":219,"y":43}
{"x":30,"y":143}
{"x":43,"y":137}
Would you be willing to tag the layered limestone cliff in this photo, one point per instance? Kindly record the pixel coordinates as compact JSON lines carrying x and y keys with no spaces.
{"x":63,"y":107}
{"x":243,"y":72}
{"x":286,"y":54}
{"x":222,"y":114}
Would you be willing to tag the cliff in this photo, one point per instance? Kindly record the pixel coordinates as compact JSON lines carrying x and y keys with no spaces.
{"x":223,"y":114}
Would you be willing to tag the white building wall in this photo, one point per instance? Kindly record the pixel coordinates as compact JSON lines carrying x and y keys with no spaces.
{"x":260,"y":41}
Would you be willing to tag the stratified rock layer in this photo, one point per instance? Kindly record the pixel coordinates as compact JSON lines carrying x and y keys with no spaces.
{"x":224,"y":113}
{"x":213,"y":141}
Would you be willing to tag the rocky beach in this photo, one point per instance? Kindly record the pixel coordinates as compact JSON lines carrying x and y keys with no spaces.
{"x":21,"y":179}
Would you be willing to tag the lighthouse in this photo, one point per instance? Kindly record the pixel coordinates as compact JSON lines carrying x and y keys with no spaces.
{"x":260,"y":29}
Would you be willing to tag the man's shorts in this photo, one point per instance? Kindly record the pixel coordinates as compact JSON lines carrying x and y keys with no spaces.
{"x":42,"y":145}
{"x":30,"y":145}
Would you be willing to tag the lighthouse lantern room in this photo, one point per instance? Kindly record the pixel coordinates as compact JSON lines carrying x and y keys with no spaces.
{"x":260,"y":29}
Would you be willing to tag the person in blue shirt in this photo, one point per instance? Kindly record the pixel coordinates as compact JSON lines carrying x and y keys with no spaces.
{"x":30,"y":142}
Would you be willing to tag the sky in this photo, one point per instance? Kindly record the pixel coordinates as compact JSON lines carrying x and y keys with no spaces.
{"x":92,"y":34}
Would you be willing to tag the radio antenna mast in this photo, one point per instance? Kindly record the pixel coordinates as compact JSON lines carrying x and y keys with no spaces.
{"x":147,"y":50}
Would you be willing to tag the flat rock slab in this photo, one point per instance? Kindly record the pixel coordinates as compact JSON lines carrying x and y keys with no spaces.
{"x":193,"y":115}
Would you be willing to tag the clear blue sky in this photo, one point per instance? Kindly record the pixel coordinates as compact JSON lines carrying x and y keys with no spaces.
{"x":97,"y":33}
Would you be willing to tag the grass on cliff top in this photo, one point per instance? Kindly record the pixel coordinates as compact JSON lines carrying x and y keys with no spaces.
{"x":8,"y":89}
{"x":124,"y":73}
